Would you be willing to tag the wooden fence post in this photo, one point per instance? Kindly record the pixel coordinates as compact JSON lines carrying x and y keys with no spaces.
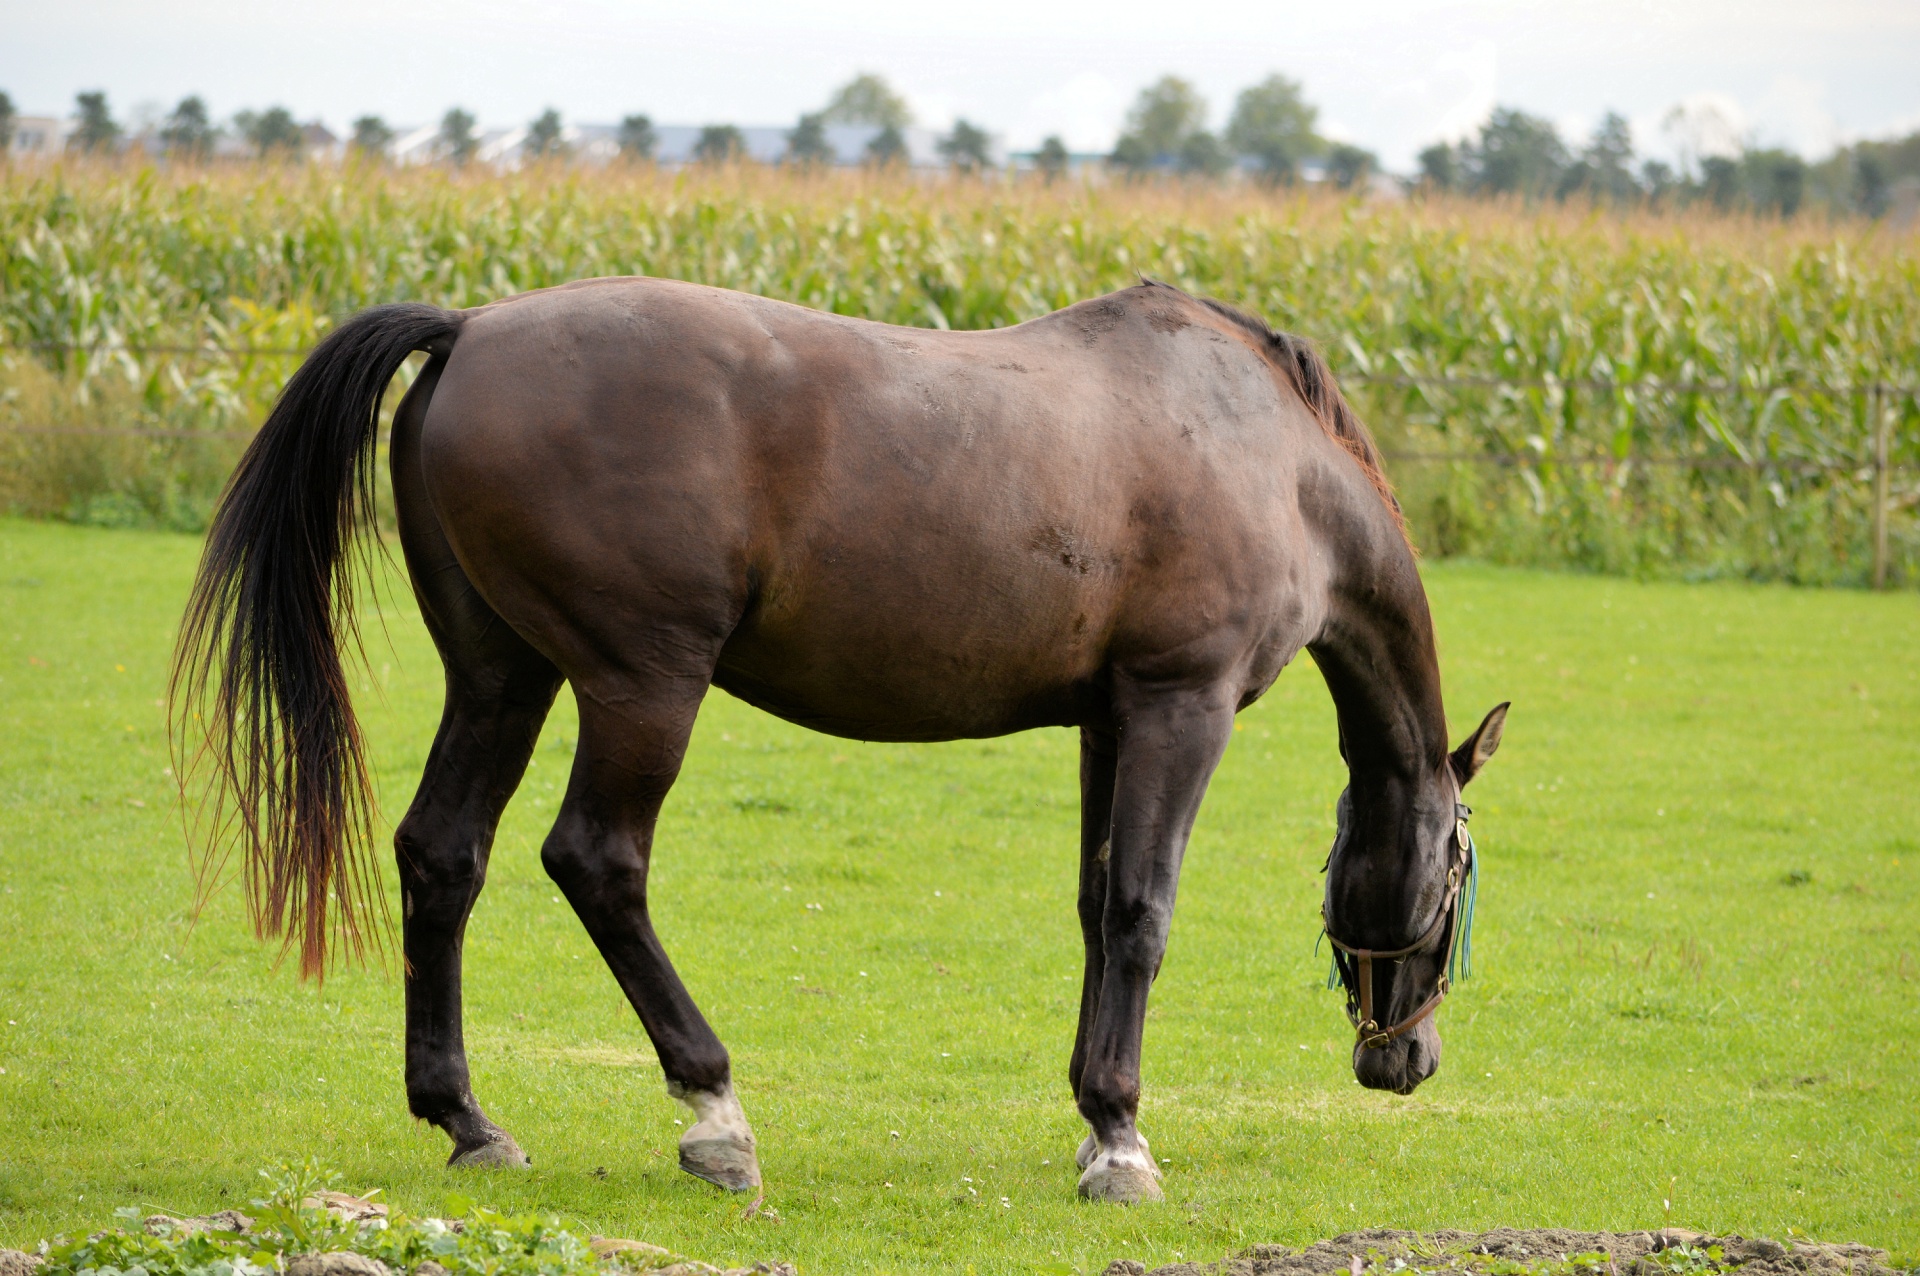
{"x":1877,"y":416}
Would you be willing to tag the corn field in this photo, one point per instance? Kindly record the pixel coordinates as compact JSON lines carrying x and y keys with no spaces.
{"x":1662,"y":395}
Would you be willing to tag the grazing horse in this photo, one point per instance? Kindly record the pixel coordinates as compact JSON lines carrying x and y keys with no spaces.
{"x":1125,"y":517}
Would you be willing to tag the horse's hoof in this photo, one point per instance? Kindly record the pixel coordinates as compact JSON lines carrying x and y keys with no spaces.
{"x":501,"y":1151}
{"x":1088,"y":1150}
{"x":723,"y":1162}
{"x":1123,"y":1182}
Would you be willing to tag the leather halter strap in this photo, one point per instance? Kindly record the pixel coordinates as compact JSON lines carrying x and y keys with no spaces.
{"x":1368,"y":1034}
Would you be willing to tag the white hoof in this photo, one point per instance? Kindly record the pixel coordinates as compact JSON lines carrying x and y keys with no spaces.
{"x":1122,"y":1183}
{"x":1088,"y":1150}
{"x":1124,"y":1174}
{"x":501,"y":1153}
{"x":719,"y":1147}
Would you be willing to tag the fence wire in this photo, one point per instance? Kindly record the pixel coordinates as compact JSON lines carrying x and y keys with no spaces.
{"x":1877,"y":397}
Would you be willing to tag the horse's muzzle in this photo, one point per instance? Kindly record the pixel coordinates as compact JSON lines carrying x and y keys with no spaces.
{"x":1401,"y":1064}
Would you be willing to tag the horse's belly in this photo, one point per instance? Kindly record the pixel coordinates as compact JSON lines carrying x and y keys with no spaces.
{"x":882,"y":659}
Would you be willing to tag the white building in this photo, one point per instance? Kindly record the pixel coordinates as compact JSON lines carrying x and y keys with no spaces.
{"x":674,"y":144}
{"x":39,"y":136}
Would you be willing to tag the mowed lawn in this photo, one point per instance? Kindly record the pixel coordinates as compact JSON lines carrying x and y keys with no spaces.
{"x":1698,"y":957}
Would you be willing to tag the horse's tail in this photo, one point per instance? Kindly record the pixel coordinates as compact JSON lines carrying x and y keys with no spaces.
{"x":257,"y":690}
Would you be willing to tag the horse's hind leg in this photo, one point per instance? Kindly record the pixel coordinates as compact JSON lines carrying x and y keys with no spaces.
{"x":499,"y":690}
{"x":487,"y":731}
{"x":633,"y":735}
{"x":1097,"y":758}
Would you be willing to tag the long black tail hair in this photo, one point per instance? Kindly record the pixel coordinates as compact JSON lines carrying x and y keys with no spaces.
{"x":262,"y":723}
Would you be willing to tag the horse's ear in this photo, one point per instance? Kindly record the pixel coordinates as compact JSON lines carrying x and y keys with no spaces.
{"x":1478,"y":747}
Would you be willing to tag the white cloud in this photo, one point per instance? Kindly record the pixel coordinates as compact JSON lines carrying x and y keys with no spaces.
{"x":1697,"y":127}
{"x":1794,"y":114}
{"x":1086,"y":112}
{"x":1452,"y":96}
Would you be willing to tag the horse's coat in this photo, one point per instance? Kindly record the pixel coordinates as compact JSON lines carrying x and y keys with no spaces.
{"x":1125,"y":517}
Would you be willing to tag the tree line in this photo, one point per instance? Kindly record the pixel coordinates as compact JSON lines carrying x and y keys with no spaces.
{"x":190,"y":132}
{"x":1271,"y":136}
{"x":1517,"y":154}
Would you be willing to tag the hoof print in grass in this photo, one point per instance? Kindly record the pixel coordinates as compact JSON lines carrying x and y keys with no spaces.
{"x":344,"y":1206}
{"x":611,"y":1249}
{"x":14,"y":1262}
{"x":224,"y":1221}
{"x":1479,"y":1253}
{"x":340,"y":1263}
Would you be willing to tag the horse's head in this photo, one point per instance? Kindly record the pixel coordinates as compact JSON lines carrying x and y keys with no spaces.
{"x":1395,"y":881}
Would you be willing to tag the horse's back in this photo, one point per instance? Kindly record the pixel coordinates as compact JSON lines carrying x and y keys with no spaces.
{"x":884,"y":532}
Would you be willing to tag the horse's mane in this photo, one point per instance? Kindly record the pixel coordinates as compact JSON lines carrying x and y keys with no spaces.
{"x":1314,"y":382}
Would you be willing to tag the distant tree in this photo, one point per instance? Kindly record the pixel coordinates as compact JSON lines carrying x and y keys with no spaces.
{"x":887,"y":147}
{"x":1161,"y":118}
{"x":371,"y":136}
{"x":189,"y":131}
{"x":1776,"y":180}
{"x":1273,"y":122}
{"x":457,"y":140}
{"x":6,"y":124}
{"x":867,"y":99}
{"x":966,"y":147}
{"x":1720,"y":180}
{"x":807,"y":144}
{"x":96,"y":129}
{"x":637,"y":138}
{"x":1604,"y":170}
{"x":720,"y":144}
{"x":1440,"y":168}
{"x":1350,"y":166}
{"x":272,"y":131}
{"x":1203,"y":154}
{"x":1130,"y":152}
{"x":1516,"y":154}
{"x":1870,"y":184}
{"x":1051,"y":158}
{"x":543,"y":137}
{"x":1658,"y":181}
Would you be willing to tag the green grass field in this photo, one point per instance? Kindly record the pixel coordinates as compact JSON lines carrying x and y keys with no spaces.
{"x":1698,"y":957}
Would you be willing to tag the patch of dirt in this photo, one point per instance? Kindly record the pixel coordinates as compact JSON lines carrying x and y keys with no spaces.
{"x":1507,"y":1251}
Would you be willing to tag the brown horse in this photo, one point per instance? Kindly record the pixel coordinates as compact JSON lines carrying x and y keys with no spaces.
{"x":1125,"y":517}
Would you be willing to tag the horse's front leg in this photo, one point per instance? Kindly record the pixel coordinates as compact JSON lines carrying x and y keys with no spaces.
{"x":1170,"y":740}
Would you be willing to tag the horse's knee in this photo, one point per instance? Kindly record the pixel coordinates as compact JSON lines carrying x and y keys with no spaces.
{"x":1136,"y":942}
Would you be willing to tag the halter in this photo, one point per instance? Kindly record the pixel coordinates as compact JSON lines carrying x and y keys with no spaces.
{"x":1368,"y":1034}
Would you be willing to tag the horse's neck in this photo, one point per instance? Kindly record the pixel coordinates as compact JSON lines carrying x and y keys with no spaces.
{"x":1376,"y":653}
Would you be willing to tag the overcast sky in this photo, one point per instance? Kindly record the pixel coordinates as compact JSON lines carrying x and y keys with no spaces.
{"x":1392,"y":75}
